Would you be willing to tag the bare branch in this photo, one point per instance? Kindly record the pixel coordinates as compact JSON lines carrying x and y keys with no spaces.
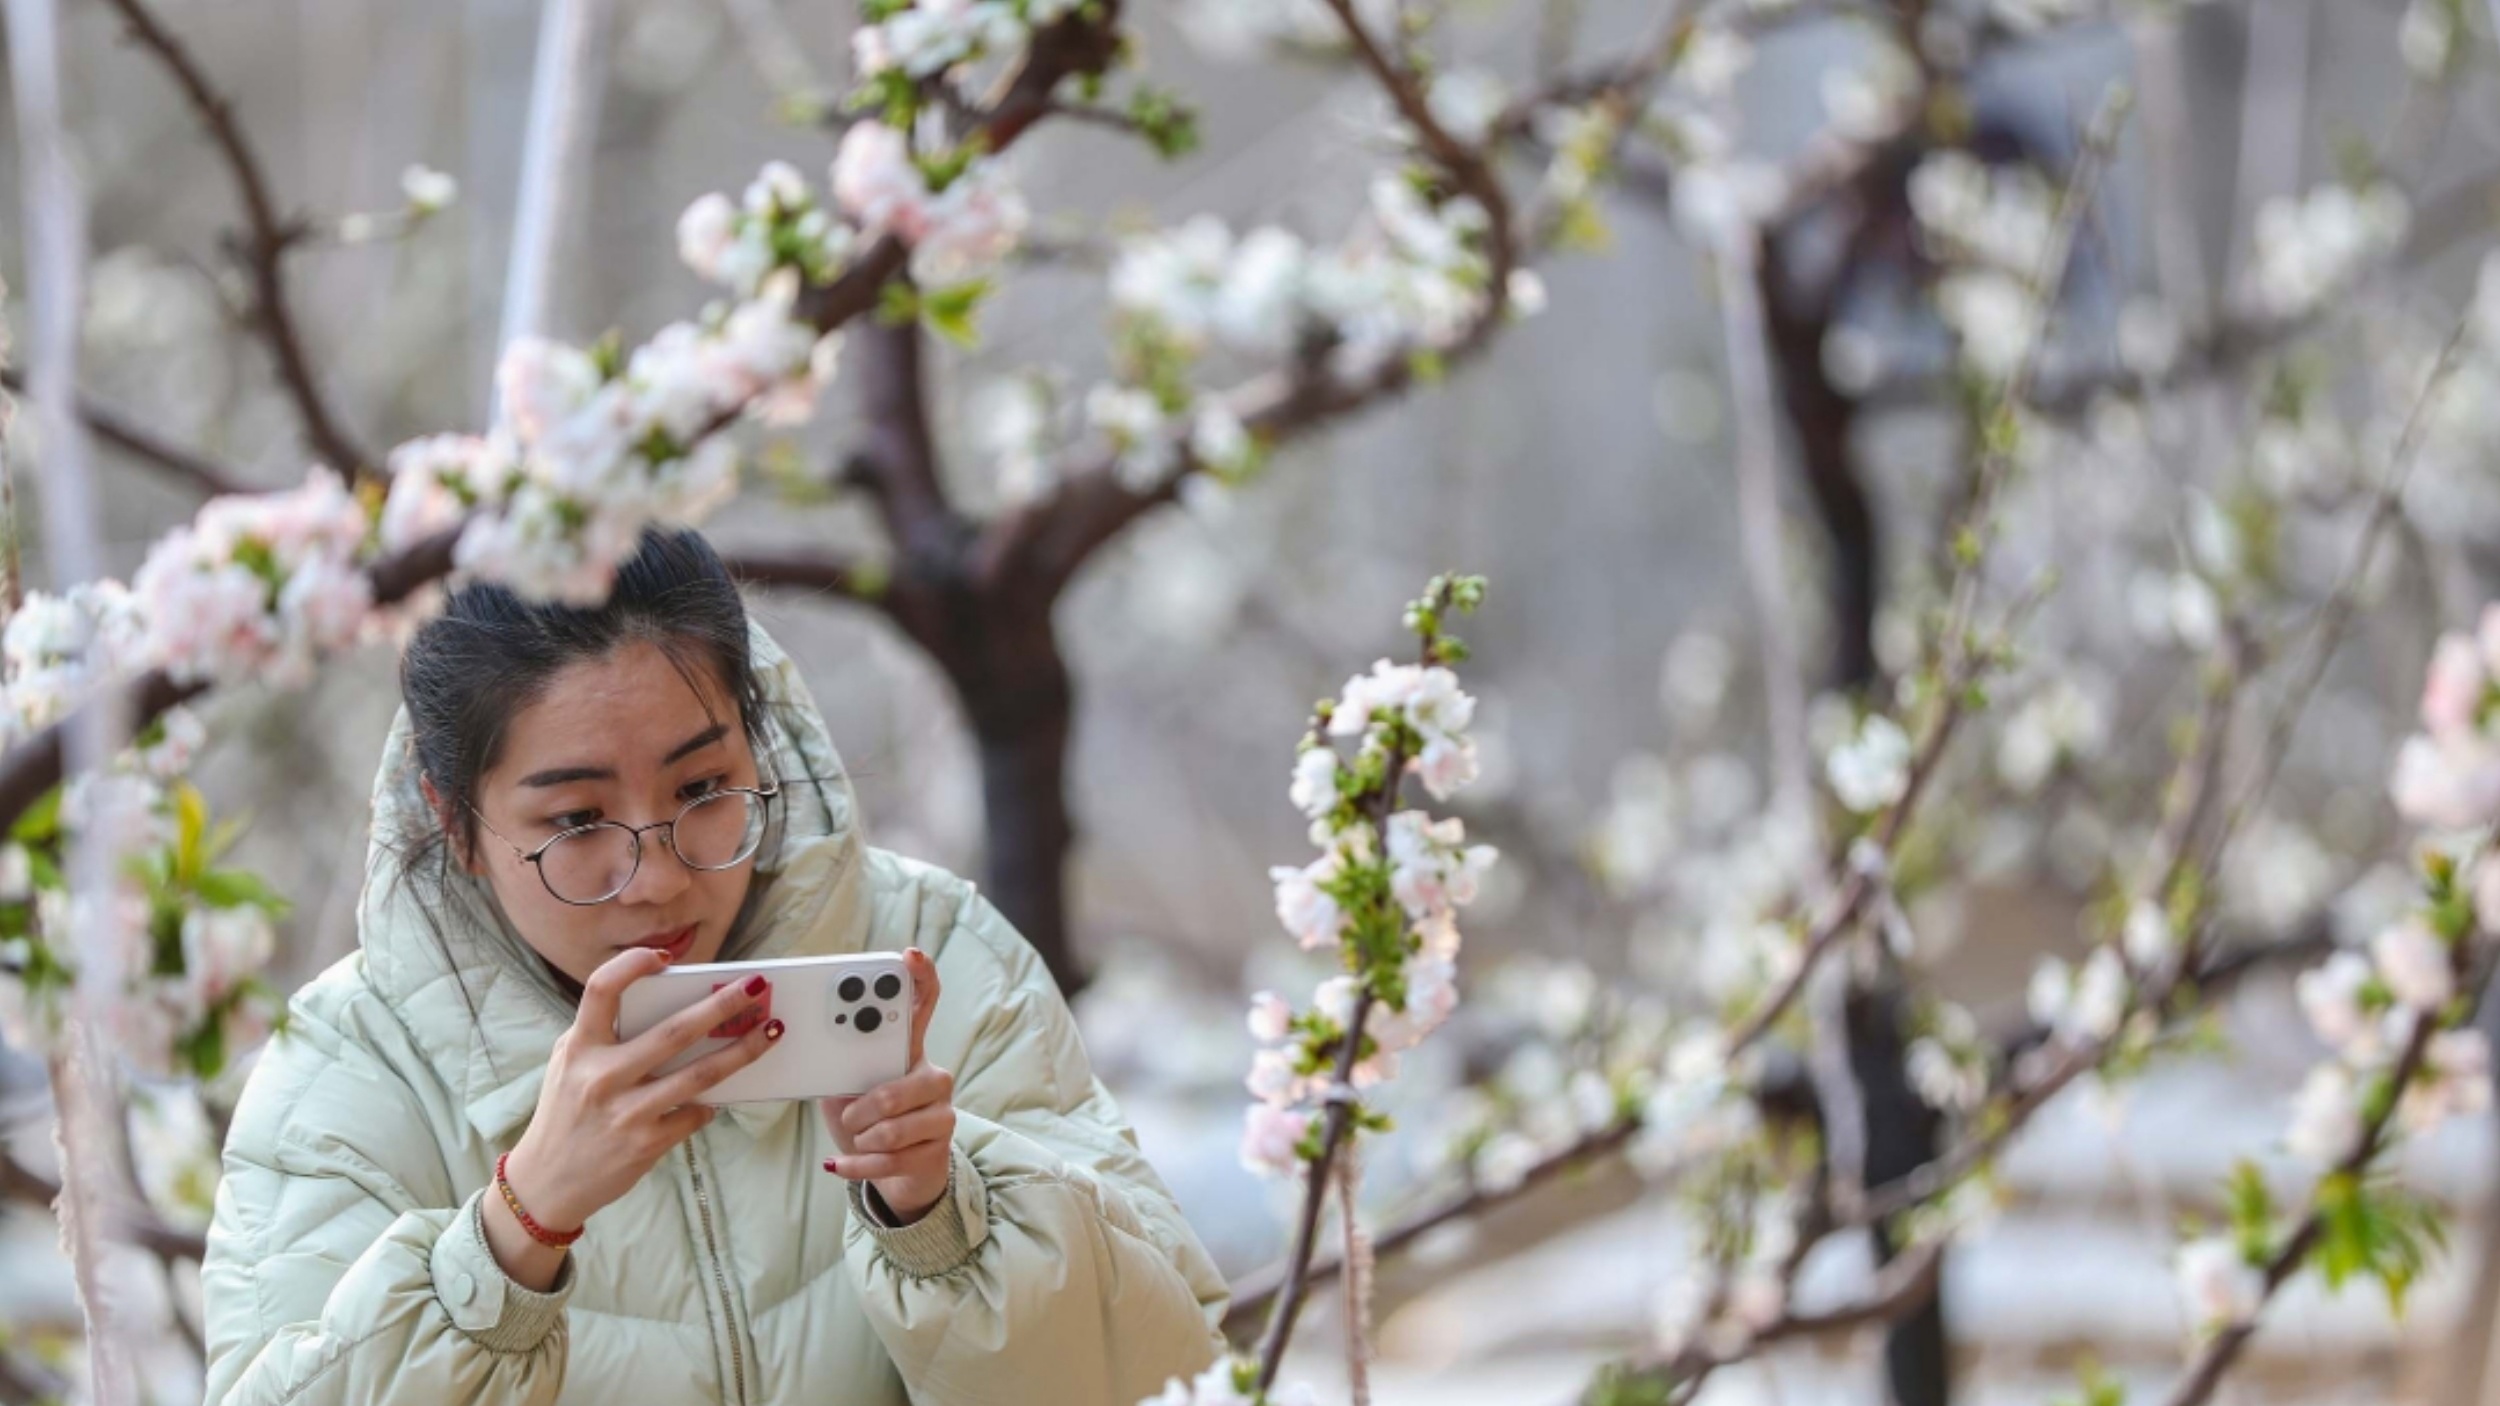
{"x":168,"y":1243}
{"x":818,"y":572}
{"x":210,"y":478}
{"x":261,"y":248}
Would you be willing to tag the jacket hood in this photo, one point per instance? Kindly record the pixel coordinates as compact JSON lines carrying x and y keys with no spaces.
{"x":486,"y":1009}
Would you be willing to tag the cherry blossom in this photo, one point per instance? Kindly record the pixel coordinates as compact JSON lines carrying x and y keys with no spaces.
{"x":957,"y":228}
{"x":1871,"y":769}
{"x":2448,"y":775}
{"x":2219,"y":1285}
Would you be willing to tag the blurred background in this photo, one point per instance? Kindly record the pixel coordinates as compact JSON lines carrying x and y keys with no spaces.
{"x":2233,"y":363}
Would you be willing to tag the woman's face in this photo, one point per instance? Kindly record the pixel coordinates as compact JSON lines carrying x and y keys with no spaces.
{"x":624,"y":738}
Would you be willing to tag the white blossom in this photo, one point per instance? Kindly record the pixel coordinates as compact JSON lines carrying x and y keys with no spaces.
{"x":2220,"y":1287}
{"x":1871,"y":769}
{"x":1270,"y":1137}
{"x":2453,"y":1082}
{"x":2415,"y":964}
{"x":1314,"y":789}
{"x":1271,"y":1017}
{"x":2308,"y":247}
{"x":2326,"y":1117}
{"x":429,"y":192}
{"x":2331,"y":996}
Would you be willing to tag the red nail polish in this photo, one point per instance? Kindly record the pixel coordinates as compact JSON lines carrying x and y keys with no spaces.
{"x":833,"y":1166}
{"x":756,"y":985}
{"x":772,"y":1030}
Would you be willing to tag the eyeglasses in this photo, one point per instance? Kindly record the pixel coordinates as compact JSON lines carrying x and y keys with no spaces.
{"x":590,"y":864}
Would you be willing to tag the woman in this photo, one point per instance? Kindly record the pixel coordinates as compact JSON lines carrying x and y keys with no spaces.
{"x":450,"y":1106}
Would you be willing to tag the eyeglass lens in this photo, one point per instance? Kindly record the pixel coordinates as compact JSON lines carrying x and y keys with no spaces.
{"x":597,"y":863}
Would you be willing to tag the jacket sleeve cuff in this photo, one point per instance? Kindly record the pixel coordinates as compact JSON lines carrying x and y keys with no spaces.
{"x":483,"y":1301}
{"x":942,"y":1240}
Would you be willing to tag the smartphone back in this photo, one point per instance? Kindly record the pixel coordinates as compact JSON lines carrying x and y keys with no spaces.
{"x":846,"y":1023}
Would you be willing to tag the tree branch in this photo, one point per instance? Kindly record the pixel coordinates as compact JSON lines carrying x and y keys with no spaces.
{"x":805,"y":571}
{"x":181,"y":465}
{"x":262,"y":247}
{"x":144,"y":1229}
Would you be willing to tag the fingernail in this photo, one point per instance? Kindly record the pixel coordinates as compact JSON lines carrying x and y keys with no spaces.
{"x":666,"y":956}
{"x":756,"y":985}
{"x":772,"y":1029}
{"x":833,"y":1166}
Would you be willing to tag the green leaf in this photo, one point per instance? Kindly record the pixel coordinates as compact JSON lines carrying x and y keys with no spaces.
{"x":2252,"y":1209}
{"x":950,"y":310}
{"x":2376,"y":1228}
{"x":42,"y":821}
{"x":190,"y":832}
{"x":897,"y":304}
{"x":1168,"y":125}
{"x":234,"y":888}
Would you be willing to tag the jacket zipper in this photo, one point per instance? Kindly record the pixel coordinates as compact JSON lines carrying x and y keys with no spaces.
{"x":720,"y":1281}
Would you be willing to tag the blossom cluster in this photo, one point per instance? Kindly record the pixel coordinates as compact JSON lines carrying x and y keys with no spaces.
{"x":594,"y":445}
{"x":1384,"y":894}
{"x":1409,"y":281}
{"x":2308,"y":248}
{"x":1991,"y":231}
{"x":2367,"y":1009}
{"x":2447,"y":776}
{"x":188,"y":939}
{"x":924,"y":39}
{"x":957,"y":213}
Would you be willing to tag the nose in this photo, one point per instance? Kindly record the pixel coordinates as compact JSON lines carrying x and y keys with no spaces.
{"x":661,"y":876}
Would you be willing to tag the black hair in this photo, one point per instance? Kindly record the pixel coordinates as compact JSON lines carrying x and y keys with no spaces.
{"x":491,"y":654}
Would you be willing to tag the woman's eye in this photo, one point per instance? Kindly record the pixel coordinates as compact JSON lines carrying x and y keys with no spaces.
{"x":574,"y":819}
{"x":696,"y":790}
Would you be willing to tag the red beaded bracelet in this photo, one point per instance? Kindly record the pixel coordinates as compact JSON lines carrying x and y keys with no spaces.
{"x":553,"y":1239}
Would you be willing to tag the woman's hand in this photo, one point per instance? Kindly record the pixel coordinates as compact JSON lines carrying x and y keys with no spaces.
{"x":603,"y":1120}
{"x":899,"y":1137}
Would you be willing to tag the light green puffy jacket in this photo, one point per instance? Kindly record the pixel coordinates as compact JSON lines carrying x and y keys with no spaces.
{"x":347,"y":1261}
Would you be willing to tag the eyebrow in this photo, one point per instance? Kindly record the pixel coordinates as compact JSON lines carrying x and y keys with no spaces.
{"x":563,"y":775}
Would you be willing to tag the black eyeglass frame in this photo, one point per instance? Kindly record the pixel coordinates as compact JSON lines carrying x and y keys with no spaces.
{"x":536,"y":858}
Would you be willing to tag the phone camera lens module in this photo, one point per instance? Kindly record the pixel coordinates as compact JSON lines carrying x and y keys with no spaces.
{"x":889,"y":986}
{"x":853,"y":988}
{"x":870,"y":1019}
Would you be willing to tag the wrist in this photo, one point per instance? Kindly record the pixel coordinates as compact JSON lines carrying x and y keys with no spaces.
{"x":904,"y":1201}
{"x":537,"y":1205}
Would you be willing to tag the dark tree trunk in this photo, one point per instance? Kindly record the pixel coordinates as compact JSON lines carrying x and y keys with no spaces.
{"x":985,"y":618}
{"x":1022,"y":709}
{"x":1901,"y":1131}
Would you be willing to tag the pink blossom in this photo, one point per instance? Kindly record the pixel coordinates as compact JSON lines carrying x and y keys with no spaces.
{"x":221,"y":946}
{"x":1273,"y":1078}
{"x":2330,"y":997}
{"x":429,"y":479}
{"x":2416,"y":965}
{"x":2454,"y":1082}
{"x":1270,"y":1139}
{"x":1307,"y":912}
{"x":876,"y":183}
{"x":2446,"y":784}
{"x":2453,"y":691}
{"x":1445,"y":765}
{"x":706,"y":232}
{"x":542,"y":383}
{"x":1271,"y":1017}
{"x":207,"y":620}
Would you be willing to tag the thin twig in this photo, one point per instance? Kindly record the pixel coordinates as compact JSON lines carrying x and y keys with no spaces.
{"x":198,"y":472}
{"x":263,"y":245}
{"x":2219,"y":1353}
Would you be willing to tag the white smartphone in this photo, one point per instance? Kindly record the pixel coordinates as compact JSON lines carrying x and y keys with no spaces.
{"x":846,"y":1023}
